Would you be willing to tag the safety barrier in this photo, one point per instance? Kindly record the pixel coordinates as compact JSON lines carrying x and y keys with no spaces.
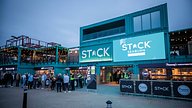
{"x":158,"y":88}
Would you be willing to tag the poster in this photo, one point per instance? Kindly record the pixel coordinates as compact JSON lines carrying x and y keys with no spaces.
{"x":91,"y":78}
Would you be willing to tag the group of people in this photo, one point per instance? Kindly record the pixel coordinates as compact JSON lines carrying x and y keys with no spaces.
{"x":121,"y":75}
{"x":42,"y":81}
{"x":7,"y":79}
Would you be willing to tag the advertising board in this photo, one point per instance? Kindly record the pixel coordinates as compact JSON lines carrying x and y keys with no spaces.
{"x":146,"y":47}
{"x":96,"y":53}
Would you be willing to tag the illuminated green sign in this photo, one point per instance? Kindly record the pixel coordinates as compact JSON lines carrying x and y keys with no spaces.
{"x":96,"y":53}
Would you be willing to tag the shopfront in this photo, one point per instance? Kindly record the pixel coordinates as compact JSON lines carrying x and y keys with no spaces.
{"x":166,"y":71}
{"x":112,"y":74}
{"x":46,"y":70}
{"x":123,"y":56}
{"x":76,"y":70}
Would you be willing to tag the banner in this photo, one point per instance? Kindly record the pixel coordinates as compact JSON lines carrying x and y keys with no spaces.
{"x":161,"y":88}
{"x":146,"y":47}
{"x":96,"y":53}
{"x":91,"y":78}
{"x":143,"y":87}
{"x":182,"y":89}
{"x":127,"y":86}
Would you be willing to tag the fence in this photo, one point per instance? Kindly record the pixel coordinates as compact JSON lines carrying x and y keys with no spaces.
{"x":158,"y":88}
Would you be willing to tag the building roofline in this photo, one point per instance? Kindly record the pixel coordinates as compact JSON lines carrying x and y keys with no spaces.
{"x":119,"y":17}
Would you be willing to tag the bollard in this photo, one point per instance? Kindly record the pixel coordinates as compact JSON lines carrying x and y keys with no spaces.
{"x":109,"y":104}
{"x":25,"y":98}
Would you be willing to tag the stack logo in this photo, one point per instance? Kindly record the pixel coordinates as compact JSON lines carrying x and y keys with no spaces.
{"x":143,"y":87}
{"x":100,"y":52}
{"x":184,"y":90}
{"x":10,"y":68}
{"x":126,"y":86}
{"x":157,"y":88}
{"x":135,"y":49}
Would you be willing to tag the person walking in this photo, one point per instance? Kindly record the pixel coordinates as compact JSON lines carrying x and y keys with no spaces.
{"x":66,"y":82}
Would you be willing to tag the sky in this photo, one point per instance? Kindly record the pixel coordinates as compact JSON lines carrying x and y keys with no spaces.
{"x":60,"y":20}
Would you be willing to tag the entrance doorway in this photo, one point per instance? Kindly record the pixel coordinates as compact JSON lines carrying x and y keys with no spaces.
{"x":112,"y":74}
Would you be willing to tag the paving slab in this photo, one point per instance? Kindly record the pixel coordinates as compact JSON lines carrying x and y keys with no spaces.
{"x":38,"y":98}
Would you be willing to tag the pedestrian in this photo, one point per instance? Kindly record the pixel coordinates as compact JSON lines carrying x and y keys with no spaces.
{"x":66,"y":82}
{"x":43,"y":78}
{"x":11,"y":79}
{"x":39,"y":84}
{"x":53,"y":81}
{"x":30,"y":81}
{"x":80,"y":80}
{"x":35,"y":81}
{"x":5,"y":79}
{"x":18,"y":78}
{"x":23,"y":78}
{"x":59,"y":82}
{"x":72,"y":81}
{"x":47,"y":82}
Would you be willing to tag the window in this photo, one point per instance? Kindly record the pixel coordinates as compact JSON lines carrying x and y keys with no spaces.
{"x":155,"y":19}
{"x":137,"y":23}
{"x":146,"y":22}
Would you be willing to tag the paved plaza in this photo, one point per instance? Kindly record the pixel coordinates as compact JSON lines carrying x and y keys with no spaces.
{"x":13,"y":98}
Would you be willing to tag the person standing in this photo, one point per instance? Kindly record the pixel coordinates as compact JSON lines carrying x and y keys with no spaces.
{"x":30,"y":81}
{"x":59,"y":82}
{"x":18,"y":77}
{"x":43,"y":78}
{"x":6,"y":78}
{"x":80,"y":80}
{"x":72,"y":81}
{"x":53,"y":83}
{"x":66,"y":82}
{"x":23,"y":80}
{"x":39,"y":84}
{"x":35,"y":80}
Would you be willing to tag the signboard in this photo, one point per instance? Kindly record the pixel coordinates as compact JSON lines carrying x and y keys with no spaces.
{"x":161,"y":88}
{"x":127,"y":86}
{"x":91,"y":78}
{"x":8,"y":68}
{"x":96,"y":53}
{"x":44,"y":68}
{"x":182,"y":89}
{"x":146,"y":47}
{"x":143,"y":87}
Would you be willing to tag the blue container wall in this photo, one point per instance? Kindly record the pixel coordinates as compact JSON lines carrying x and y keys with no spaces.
{"x":130,"y":32}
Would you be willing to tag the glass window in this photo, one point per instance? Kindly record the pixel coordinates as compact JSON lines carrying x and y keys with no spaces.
{"x":155,"y":19}
{"x":146,"y":22}
{"x":137,"y":23}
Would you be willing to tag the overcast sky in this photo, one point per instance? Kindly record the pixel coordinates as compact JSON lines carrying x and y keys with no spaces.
{"x":60,"y":20}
